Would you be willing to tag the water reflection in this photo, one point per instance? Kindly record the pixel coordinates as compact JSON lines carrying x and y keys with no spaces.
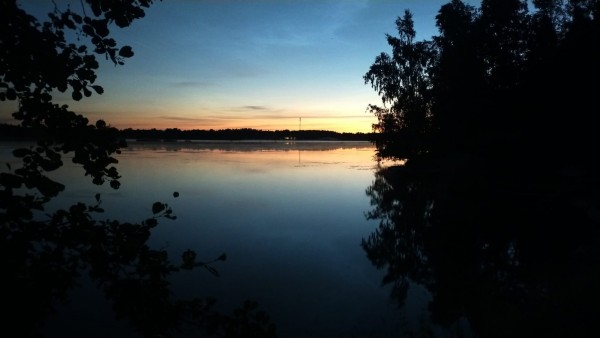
{"x":502,"y":255}
{"x":291,"y":232}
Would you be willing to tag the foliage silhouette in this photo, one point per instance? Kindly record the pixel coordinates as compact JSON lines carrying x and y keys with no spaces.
{"x":403,"y":83}
{"x":496,"y":80}
{"x":495,"y":211}
{"x":45,"y":252}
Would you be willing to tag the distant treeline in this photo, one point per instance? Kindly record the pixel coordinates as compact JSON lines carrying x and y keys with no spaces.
{"x":12,"y":132}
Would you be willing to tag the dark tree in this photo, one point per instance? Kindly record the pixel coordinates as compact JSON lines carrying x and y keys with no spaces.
{"x":403,"y":81}
{"x":497,"y":81}
{"x":458,"y":79}
{"x":496,"y":214}
{"x":44,"y":252}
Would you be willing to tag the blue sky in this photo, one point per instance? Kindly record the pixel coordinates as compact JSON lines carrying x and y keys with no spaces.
{"x":262,"y":64}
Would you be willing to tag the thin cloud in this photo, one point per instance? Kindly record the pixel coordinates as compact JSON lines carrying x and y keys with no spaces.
{"x":255,"y":107}
{"x":181,"y":118}
{"x":250,"y":108}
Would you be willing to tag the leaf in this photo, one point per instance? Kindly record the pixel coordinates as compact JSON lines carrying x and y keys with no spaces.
{"x":223,"y":257}
{"x":98,"y":89}
{"x":88,"y":29}
{"x":69,"y":23}
{"x":126,"y":52}
{"x":77,"y":18}
{"x":175,"y":194}
{"x":115,"y":184}
{"x":100,"y":26}
{"x":97,"y":197}
{"x":110,"y":43}
{"x":76,"y":96}
{"x":158,"y":207}
{"x":48,"y":187}
{"x":62,"y":86}
{"x":49,"y":165}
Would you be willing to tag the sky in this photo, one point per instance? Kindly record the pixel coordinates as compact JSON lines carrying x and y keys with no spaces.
{"x":263,"y":64}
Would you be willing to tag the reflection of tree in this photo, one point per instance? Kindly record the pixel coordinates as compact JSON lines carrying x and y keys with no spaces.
{"x":516,"y":255}
{"x":396,"y":239}
{"x":43,"y":260}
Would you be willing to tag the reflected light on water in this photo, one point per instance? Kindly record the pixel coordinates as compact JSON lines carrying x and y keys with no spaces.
{"x":290,"y":217}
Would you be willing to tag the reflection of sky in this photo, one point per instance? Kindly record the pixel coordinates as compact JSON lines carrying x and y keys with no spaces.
{"x":290,"y":221}
{"x":256,"y":64}
{"x":291,"y":230}
{"x":291,"y":227}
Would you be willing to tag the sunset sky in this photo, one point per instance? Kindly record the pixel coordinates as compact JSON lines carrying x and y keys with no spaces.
{"x":247,"y":64}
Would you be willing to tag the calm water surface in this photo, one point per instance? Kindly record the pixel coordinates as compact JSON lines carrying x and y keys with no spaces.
{"x":290,"y":217}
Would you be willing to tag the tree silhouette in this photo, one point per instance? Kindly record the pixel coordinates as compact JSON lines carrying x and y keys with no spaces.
{"x":497,"y":81}
{"x":495,"y":211}
{"x":402,"y":79}
{"x":44,"y":252}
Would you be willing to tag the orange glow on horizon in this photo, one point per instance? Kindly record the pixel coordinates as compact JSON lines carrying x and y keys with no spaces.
{"x":187,"y":119}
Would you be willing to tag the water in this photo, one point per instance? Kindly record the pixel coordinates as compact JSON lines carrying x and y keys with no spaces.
{"x":469,"y":253}
{"x":289,"y":216}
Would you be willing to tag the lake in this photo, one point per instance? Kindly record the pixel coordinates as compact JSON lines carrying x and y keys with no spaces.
{"x":332,"y":243}
{"x":289,"y":215}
